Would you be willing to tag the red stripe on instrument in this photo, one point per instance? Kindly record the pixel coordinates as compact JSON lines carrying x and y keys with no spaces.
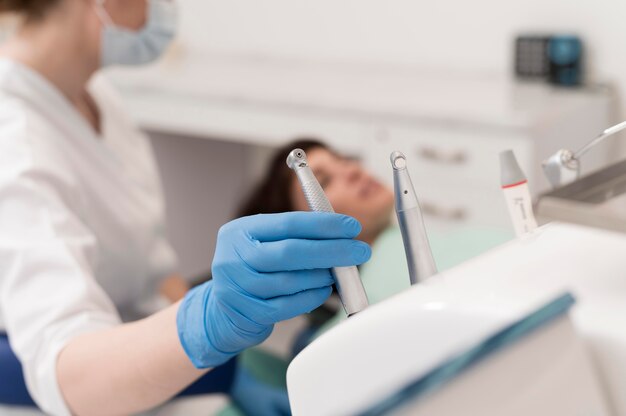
{"x":513,"y":185}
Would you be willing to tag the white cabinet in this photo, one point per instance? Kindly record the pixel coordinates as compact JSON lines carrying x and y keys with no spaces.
{"x":455,"y":172}
{"x":455,"y":166}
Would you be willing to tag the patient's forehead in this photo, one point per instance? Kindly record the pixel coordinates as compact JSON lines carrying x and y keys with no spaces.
{"x":321,"y":158}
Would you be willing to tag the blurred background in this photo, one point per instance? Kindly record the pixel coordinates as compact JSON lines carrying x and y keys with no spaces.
{"x":446,"y":82}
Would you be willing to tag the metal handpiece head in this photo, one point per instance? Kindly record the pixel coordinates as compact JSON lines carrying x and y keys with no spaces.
{"x":398,"y":160}
{"x":297,"y":159}
{"x":404,"y":193}
{"x":564,"y":166}
{"x":561,"y":168}
{"x":313,"y":192}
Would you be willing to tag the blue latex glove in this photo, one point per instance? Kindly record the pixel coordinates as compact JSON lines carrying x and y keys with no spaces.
{"x":266,"y":269}
{"x":256,"y":398}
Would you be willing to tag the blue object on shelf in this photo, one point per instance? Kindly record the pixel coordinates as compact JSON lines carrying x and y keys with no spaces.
{"x":565,"y":54}
{"x":557,"y":59}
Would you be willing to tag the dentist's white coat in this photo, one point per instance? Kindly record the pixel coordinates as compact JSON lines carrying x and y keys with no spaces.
{"x":81,"y":222}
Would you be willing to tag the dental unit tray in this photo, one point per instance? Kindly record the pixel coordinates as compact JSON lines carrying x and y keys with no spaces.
{"x":597,"y":200}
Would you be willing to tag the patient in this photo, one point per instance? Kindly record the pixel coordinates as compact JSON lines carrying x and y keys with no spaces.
{"x":350,"y":188}
{"x":354,"y":191}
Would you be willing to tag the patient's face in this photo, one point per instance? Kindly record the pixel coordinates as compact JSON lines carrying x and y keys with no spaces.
{"x":350,"y":189}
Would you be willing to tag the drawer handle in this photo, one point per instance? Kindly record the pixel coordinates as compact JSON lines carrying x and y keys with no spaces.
{"x":458,"y":157}
{"x":453,"y":214}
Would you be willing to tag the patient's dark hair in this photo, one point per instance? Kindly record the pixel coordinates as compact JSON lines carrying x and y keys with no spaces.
{"x":32,"y":9}
{"x":272,"y":194}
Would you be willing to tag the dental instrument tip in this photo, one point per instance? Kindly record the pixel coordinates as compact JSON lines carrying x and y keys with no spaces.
{"x":510,"y":170}
{"x":297,"y":159}
{"x":398,"y":160}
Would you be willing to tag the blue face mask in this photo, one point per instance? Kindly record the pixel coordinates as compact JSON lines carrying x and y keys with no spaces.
{"x":122,"y":46}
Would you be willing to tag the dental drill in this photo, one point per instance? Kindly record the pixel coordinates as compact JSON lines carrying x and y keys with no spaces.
{"x":564,"y":166}
{"x":419,"y":255}
{"x":347,"y":279}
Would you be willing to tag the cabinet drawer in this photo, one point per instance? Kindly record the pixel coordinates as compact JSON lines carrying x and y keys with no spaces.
{"x":449,"y":157}
{"x":460,"y":206}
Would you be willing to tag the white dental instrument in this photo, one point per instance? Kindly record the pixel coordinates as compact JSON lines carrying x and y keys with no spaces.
{"x":564,"y":166}
{"x":419,"y":255}
{"x":516,"y":193}
{"x":347,"y":279}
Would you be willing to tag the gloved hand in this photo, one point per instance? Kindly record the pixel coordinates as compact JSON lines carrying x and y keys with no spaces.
{"x":266,"y":269}
{"x":256,"y":398}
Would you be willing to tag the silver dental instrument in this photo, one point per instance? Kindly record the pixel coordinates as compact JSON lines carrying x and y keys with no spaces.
{"x":564,"y":166}
{"x":419,"y":255}
{"x":347,"y":279}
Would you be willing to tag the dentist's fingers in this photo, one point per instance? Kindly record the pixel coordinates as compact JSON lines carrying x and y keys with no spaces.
{"x":287,"y":307}
{"x":291,"y":255}
{"x":272,"y":285}
{"x":299,"y":225}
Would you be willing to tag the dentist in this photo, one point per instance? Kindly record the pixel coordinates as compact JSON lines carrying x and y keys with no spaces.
{"x":82,"y":226}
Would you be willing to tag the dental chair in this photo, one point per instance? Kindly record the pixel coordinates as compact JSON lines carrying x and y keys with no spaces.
{"x":13,"y":389}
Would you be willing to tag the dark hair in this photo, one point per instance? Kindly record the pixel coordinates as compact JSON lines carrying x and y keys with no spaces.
{"x":32,"y":9}
{"x":272,"y":195}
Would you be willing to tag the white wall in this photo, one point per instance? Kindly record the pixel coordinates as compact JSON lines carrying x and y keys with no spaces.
{"x":460,"y":34}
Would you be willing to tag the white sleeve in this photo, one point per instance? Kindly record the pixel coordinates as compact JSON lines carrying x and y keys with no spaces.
{"x":48,"y":293}
{"x":161,"y":258}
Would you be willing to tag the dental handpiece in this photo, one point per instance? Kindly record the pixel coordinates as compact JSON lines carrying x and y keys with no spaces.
{"x":347,"y":279}
{"x":419,"y":255}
